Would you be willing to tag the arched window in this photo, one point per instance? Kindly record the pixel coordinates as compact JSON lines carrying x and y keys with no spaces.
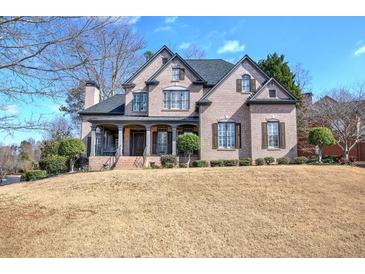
{"x":246,"y":83}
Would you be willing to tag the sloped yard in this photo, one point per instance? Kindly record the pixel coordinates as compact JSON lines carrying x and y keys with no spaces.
{"x":269,"y":211}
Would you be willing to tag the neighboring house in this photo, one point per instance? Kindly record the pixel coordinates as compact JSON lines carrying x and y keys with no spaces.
{"x":236,"y":109}
{"x":357,"y":153}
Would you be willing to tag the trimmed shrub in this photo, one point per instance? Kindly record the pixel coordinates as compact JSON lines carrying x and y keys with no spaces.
{"x":283,"y":160}
{"x":214,"y":163}
{"x":230,"y":162}
{"x":71,"y":148}
{"x":312,"y":160}
{"x":269,"y":160}
{"x":183,"y":165}
{"x":245,"y":162}
{"x":200,"y":163}
{"x":168,"y":161}
{"x":329,"y":160}
{"x":35,"y":174}
{"x":300,"y":160}
{"x":54,"y":164}
{"x":260,"y":161}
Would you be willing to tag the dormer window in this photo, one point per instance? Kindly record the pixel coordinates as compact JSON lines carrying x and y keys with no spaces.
{"x":178,"y":74}
{"x":246,"y":83}
{"x":272,"y":93}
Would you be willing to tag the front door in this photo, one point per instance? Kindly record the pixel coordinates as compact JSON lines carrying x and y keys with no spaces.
{"x":138,"y":142}
{"x":162,"y":142}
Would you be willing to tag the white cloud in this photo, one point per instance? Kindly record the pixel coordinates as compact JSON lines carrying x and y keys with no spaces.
{"x":184,"y":45}
{"x":231,"y":46}
{"x":131,"y":20}
{"x":359,"y":51}
{"x":9,"y":109}
{"x":170,"y":20}
{"x":162,"y":28}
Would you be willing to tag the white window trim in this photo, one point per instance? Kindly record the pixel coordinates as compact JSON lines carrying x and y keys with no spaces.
{"x":268,"y":134}
{"x":139,"y":92}
{"x":227,"y":136}
{"x":170,"y":105}
{"x":244,"y":77}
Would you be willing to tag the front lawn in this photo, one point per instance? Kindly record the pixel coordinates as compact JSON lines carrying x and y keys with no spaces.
{"x":266,"y":211}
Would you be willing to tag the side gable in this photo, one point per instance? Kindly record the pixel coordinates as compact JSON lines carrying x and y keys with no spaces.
{"x":282,"y":94}
{"x":164,"y":51}
{"x":254,"y":70}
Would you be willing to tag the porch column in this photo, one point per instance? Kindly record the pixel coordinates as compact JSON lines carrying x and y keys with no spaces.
{"x":148,"y":140}
{"x":93,"y":141}
{"x":173,"y":140}
{"x":120,"y":140}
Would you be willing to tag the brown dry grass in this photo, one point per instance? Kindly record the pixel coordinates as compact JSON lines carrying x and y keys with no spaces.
{"x":276,"y":211}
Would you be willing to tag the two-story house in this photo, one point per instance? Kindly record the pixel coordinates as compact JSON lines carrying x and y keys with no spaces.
{"x":236,"y":109}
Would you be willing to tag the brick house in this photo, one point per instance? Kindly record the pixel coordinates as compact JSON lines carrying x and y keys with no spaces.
{"x":236,"y":109}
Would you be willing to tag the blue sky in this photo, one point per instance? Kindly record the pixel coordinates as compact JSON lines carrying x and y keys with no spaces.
{"x":331,"y":48}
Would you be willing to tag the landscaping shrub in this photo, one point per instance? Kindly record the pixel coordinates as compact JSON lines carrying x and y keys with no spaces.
{"x":283,"y":161}
{"x":168,"y":161}
{"x":200,"y":163}
{"x":82,"y":163}
{"x":269,"y":160}
{"x":300,"y":160}
{"x":312,"y":159}
{"x":230,"y":162}
{"x":183,"y":165}
{"x":214,"y":163}
{"x":71,"y":148}
{"x":245,"y":162}
{"x":54,"y":164}
{"x":329,"y":160}
{"x":35,"y":174}
{"x":260,"y":161}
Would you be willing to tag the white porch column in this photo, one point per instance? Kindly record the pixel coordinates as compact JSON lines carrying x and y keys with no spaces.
{"x":173,"y":140}
{"x":93,"y":141}
{"x":120,"y":140}
{"x":148,"y":140}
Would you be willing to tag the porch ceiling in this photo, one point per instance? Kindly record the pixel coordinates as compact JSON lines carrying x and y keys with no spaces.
{"x":147,"y":119}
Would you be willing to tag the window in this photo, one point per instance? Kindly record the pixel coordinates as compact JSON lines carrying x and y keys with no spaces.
{"x":176,"y":99}
{"x":272,"y":93}
{"x":273,"y":134}
{"x":164,"y":60}
{"x":176,"y":74}
{"x":246,"y":83}
{"x":226,"y":135}
{"x":162,"y":141}
{"x":139,"y":102}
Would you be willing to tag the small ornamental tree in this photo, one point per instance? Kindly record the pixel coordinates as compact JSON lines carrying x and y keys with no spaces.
{"x":188,"y":143}
{"x":320,"y":136}
{"x":71,"y":148}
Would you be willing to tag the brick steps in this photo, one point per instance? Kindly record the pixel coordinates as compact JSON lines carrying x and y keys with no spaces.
{"x":129,"y":162}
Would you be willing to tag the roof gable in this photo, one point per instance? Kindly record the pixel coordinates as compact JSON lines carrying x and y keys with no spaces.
{"x":286,"y":95}
{"x":134,"y":75}
{"x":175,"y":56}
{"x":246,"y":57}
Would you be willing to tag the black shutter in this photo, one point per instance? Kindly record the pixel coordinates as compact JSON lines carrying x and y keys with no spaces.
{"x":239,"y":85}
{"x":169,"y":142}
{"x":238,"y":135}
{"x":264,"y":135}
{"x":215,"y":135}
{"x":154,"y":142}
{"x":282,"y":135}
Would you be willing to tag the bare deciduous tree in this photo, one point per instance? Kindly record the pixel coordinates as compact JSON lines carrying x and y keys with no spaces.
{"x":343,"y":110}
{"x":58,"y":129}
{"x":193,"y":52}
{"x":302,"y":78}
{"x":8,"y":160}
{"x":32,"y":59}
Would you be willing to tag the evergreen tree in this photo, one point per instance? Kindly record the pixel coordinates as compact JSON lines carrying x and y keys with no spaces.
{"x":276,"y":66}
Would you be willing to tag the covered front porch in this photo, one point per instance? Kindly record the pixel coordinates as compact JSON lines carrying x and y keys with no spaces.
{"x":136,"y":139}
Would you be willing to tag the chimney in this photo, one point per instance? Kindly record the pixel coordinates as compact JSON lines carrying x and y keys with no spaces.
{"x":92,"y":94}
{"x":92,"y":97}
{"x":308,"y":98}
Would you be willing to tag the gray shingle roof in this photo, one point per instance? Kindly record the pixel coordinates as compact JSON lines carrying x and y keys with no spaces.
{"x":212,"y":70}
{"x":112,"y":105}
